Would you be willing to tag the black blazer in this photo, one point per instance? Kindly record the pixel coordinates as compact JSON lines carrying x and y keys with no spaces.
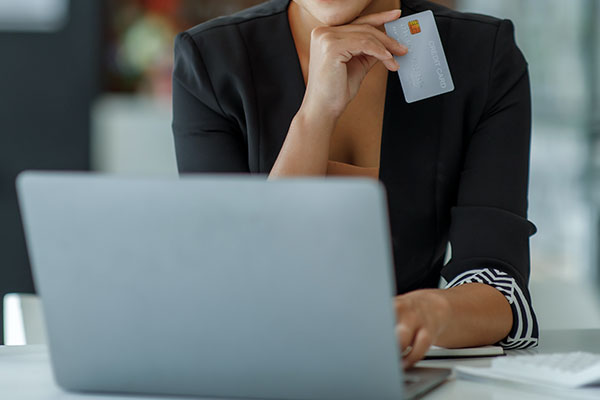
{"x":455,"y":166}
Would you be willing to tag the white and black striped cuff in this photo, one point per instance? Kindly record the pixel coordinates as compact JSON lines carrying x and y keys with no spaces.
{"x":524,"y":332}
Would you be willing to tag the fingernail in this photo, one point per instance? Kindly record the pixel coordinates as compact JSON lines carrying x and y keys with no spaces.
{"x":388,"y":54}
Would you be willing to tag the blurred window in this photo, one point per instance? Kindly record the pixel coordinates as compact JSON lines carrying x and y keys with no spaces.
{"x":33,"y":15}
{"x":560,"y":40}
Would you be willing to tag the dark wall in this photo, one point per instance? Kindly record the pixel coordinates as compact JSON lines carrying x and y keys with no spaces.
{"x":47,"y":83}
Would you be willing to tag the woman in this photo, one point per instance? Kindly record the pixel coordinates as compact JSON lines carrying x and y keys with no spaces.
{"x":308,"y":87}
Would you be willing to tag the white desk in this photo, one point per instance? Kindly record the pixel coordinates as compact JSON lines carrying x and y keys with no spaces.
{"x":25,"y":373}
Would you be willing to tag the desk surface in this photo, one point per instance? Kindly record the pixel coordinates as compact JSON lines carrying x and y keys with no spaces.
{"x":25,"y":373}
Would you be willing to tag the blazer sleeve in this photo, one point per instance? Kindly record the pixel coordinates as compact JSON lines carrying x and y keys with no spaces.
{"x":489,"y":226}
{"x":206,"y":140}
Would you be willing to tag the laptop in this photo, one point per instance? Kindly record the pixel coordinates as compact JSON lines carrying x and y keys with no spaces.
{"x":221,"y":286}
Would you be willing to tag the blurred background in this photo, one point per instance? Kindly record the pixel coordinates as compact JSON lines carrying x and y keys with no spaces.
{"x":86,"y":85}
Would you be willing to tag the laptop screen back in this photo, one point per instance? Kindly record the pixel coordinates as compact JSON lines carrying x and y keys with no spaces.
{"x":223,"y":286}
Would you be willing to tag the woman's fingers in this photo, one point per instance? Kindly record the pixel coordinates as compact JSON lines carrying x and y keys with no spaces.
{"x":405,"y":334}
{"x":414,"y":342}
{"x":353,"y":40}
{"x":412,"y":331}
{"x":422,"y":318}
{"x":344,"y":45}
{"x":378,"y":19}
{"x":421,"y":343}
{"x":391,"y":44}
{"x":371,"y":47}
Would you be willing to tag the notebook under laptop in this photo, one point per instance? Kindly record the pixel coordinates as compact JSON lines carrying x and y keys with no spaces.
{"x":217,"y":286}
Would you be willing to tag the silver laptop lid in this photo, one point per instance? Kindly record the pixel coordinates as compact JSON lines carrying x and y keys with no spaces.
{"x":216,"y":286}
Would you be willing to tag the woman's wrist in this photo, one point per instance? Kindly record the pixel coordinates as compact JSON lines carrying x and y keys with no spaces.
{"x":317,"y":115}
{"x":314,"y":127}
{"x":480,"y":315}
{"x":441,"y":308}
{"x":436,"y":307}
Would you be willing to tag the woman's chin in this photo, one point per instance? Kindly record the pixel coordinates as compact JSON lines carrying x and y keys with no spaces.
{"x":335,"y":19}
{"x":333,"y":12}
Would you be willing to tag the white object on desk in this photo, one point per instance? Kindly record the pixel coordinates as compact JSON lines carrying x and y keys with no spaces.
{"x":564,"y":370}
{"x":23,"y":320}
{"x":482,"y":351}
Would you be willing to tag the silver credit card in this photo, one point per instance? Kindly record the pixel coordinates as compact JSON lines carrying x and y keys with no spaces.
{"x":424,"y":71}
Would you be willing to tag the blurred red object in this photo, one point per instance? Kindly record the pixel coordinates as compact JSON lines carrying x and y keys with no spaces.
{"x":162,"y":6}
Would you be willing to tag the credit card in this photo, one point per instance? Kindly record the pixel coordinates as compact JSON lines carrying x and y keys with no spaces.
{"x":424,"y":71}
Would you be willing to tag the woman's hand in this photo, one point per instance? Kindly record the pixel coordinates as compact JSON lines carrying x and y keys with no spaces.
{"x":473,"y":314}
{"x":341,"y":57}
{"x":422,"y":317}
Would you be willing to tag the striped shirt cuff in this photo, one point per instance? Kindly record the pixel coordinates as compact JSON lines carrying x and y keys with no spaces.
{"x":524,"y":332}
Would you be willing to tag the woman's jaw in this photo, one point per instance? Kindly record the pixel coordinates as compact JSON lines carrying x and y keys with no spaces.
{"x":341,"y":12}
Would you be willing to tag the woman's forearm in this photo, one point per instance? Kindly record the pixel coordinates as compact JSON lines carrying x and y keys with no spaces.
{"x":480,"y":315}
{"x":305,"y":151}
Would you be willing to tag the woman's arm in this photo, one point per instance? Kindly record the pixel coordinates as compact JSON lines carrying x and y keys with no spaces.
{"x":340,"y":58}
{"x":489,"y":230}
